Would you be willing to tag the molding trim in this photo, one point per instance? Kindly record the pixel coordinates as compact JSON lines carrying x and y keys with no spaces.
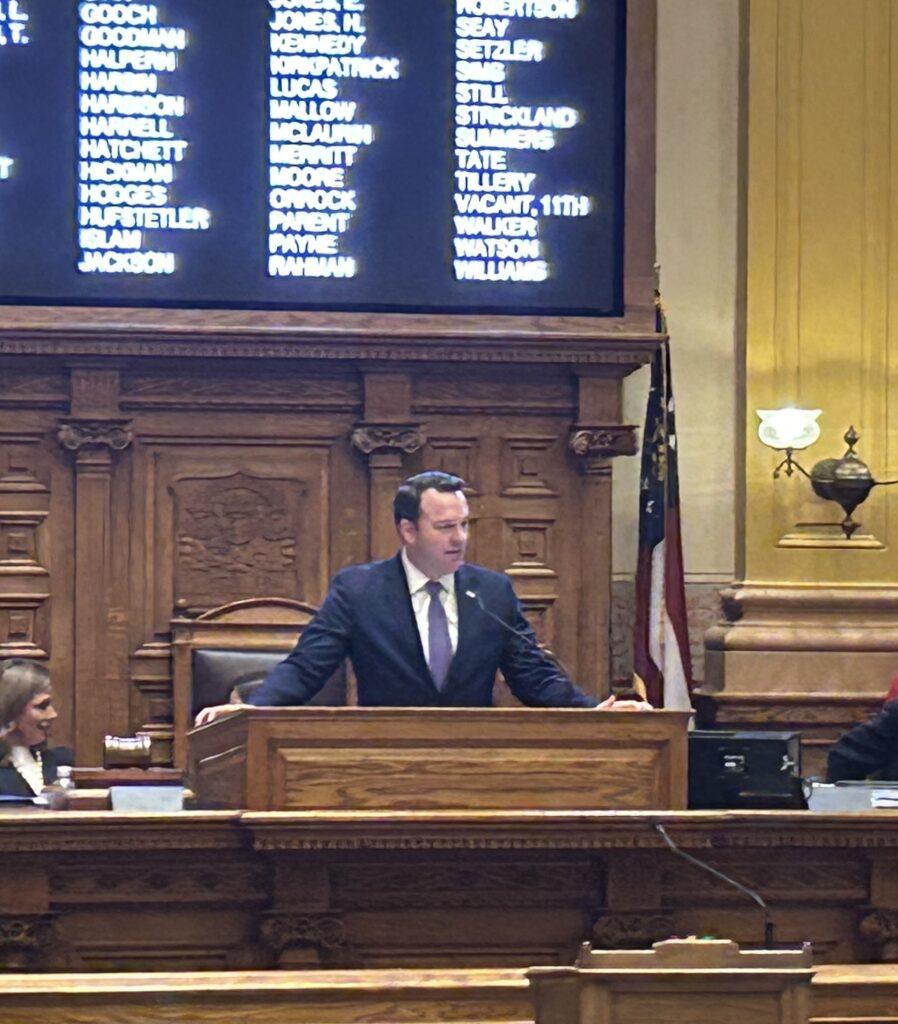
{"x":80,"y":331}
{"x":759,"y":617}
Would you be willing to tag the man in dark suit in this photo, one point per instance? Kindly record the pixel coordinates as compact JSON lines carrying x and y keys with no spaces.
{"x":869,"y":747}
{"x":422,"y":628}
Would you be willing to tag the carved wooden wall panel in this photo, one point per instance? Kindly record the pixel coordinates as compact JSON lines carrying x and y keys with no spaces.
{"x":35,"y":531}
{"x":242,"y":484}
{"x":135,"y":490}
{"x":521,"y":483}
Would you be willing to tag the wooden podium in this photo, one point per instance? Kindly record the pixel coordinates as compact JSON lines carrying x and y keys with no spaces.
{"x":680,"y":981}
{"x":395,"y":759}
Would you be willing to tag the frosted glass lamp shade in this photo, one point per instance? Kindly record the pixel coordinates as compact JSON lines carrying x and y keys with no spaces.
{"x":788,"y":428}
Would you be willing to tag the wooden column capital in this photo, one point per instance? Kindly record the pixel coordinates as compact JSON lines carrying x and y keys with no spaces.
{"x":386,"y":443}
{"x":24,"y":940}
{"x":398,"y":438}
{"x":605,"y":441}
{"x":304,"y":940}
{"x":76,"y":435}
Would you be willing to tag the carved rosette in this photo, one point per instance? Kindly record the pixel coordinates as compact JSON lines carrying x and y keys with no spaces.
{"x":404,"y":438}
{"x":322,"y":934}
{"x":879,"y":929}
{"x":631,"y":931}
{"x":24,"y":940}
{"x":603,"y":442}
{"x":113,"y":435}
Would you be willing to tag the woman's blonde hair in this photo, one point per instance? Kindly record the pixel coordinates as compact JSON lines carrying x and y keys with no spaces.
{"x":21,"y":681}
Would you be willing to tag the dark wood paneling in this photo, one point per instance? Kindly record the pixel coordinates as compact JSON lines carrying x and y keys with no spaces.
{"x":160,"y":489}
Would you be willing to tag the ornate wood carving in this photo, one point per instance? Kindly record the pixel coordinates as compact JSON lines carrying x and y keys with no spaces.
{"x":158,"y":881}
{"x":25,"y":940}
{"x":237,"y":538}
{"x":631,"y":930}
{"x":879,"y":929}
{"x":75,"y":434}
{"x":229,"y":520}
{"x":604,"y":442}
{"x":587,"y":831}
{"x":304,"y":938}
{"x":404,"y":438}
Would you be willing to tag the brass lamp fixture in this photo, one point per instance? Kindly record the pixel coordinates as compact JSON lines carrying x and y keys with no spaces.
{"x":846,"y":481}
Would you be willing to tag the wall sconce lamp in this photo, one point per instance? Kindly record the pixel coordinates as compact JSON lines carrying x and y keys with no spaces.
{"x":846,"y":481}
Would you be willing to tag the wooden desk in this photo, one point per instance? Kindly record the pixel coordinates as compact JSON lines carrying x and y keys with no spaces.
{"x":840,"y":994}
{"x":391,"y":759}
{"x":268,"y":997}
{"x":855,"y":994}
{"x":678,"y":981}
{"x":218,"y":890}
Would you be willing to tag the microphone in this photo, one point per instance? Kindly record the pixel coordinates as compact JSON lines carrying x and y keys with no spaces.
{"x":474,"y":596}
{"x":526,"y":638}
{"x":744,"y":889}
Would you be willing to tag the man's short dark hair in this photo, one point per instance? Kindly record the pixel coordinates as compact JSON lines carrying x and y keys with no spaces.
{"x":407,"y":503}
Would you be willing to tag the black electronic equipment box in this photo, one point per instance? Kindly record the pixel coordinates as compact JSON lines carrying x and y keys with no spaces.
{"x":744,"y":770}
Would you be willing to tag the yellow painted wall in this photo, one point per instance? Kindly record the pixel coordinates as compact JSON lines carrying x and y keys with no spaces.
{"x":821,"y":285}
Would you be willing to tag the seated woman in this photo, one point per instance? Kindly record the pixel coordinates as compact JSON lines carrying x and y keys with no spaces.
{"x":27,"y":764}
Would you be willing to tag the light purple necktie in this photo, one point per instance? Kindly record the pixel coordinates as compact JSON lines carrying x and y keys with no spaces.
{"x":438,"y":642}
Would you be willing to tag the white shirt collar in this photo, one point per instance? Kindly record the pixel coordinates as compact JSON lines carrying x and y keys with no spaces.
{"x":418,"y":581}
{"x":28,"y":766}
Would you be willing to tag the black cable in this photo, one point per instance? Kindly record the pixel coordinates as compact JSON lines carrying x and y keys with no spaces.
{"x":695,"y":862}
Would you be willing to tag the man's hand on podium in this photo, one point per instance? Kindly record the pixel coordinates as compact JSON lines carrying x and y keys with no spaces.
{"x":613,"y":704}
{"x":208,"y":715}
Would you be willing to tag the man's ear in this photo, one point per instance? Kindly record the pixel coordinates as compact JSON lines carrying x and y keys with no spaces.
{"x":407,"y":531}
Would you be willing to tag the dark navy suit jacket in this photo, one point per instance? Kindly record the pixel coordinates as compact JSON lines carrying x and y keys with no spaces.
{"x":12,"y":784}
{"x":869,"y":747}
{"x":368,"y":616}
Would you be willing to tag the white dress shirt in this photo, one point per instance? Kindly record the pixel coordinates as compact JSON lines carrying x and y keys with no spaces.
{"x":417,"y":581}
